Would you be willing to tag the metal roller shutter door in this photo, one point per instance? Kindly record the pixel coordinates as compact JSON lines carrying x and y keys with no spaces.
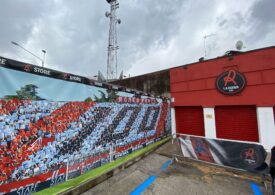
{"x":237,"y":123}
{"x":189,"y":120}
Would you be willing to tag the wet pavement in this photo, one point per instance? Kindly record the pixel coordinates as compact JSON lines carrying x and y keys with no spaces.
{"x":152,"y":176}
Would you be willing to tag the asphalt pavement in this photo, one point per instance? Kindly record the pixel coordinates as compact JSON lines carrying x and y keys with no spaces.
{"x":156,"y":174}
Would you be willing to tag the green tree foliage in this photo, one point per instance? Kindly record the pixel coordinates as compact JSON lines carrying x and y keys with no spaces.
{"x":111,"y":96}
{"x":102,"y":97}
{"x":28,"y":92}
{"x":88,"y":100}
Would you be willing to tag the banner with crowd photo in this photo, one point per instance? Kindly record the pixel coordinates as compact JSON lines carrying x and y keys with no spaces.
{"x":82,"y":164}
{"x":55,"y":126}
{"x":241,"y":155}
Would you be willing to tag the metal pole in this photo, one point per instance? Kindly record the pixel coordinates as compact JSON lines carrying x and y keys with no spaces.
{"x":43,"y":62}
{"x":111,"y":153}
{"x":16,"y":44}
{"x":112,"y":40}
{"x":67,"y":169}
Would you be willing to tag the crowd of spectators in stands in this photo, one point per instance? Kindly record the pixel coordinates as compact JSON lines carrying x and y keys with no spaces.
{"x":17,"y":132}
{"x":19,"y":122}
{"x":79,"y":129}
{"x":6,"y":107}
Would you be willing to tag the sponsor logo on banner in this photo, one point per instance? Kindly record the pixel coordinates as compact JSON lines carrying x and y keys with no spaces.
{"x":231,"y":82}
{"x":27,"y":68}
{"x":29,"y":189}
{"x":249,"y":156}
{"x":3,"y":61}
{"x":136,"y":147}
{"x":150,"y":142}
{"x":57,"y":179}
{"x":42,"y":71}
{"x":34,"y":184}
{"x":123,"y":153}
{"x":75,"y":78}
{"x":65,"y":76}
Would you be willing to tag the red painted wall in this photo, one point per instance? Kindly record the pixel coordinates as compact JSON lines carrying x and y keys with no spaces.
{"x":194,"y":84}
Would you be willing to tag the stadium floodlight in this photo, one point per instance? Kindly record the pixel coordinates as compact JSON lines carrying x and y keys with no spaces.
{"x":112,"y":41}
{"x":107,"y":14}
{"x":44,"y":51}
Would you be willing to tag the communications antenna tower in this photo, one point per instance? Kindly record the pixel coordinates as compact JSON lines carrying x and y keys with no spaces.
{"x":112,"y":43}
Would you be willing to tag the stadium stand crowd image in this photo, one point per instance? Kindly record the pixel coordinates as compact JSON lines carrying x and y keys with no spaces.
{"x":45,"y":138}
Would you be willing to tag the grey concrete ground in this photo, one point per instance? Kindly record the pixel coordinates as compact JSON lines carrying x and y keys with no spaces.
{"x":184,"y":178}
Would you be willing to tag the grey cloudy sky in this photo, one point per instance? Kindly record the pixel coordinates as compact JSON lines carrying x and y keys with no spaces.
{"x":154,"y":35}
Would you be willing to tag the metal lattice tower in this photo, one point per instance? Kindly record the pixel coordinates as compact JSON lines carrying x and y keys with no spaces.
{"x":112,"y":44}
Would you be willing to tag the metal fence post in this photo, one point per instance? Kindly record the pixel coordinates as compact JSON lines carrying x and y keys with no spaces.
{"x":111,"y":153}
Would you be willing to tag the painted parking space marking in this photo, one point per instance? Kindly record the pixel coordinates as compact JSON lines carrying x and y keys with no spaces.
{"x":142,"y":187}
{"x":256,"y":189}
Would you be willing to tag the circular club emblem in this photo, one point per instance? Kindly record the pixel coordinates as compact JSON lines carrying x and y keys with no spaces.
{"x":65,"y":76}
{"x":250,"y":157}
{"x":27,"y":68}
{"x":230,"y":82}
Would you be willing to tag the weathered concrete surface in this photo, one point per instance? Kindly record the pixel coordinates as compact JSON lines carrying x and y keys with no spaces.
{"x":169,"y":149}
{"x":189,"y":179}
{"x":180,"y":178}
{"x":127,"y":180}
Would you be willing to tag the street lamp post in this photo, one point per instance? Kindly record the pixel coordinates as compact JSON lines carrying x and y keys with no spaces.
{"x":44,"y":51}
{"x":44,"y":57}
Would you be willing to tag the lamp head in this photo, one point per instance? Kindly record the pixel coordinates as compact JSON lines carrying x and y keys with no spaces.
{"x":14,"y":43}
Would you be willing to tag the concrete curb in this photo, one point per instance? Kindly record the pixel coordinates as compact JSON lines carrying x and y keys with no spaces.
{"x":95,"y":181}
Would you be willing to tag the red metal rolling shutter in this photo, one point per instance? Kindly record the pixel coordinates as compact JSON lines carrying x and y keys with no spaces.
{"x":189,"y":120}
{"x":237,"y":123}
